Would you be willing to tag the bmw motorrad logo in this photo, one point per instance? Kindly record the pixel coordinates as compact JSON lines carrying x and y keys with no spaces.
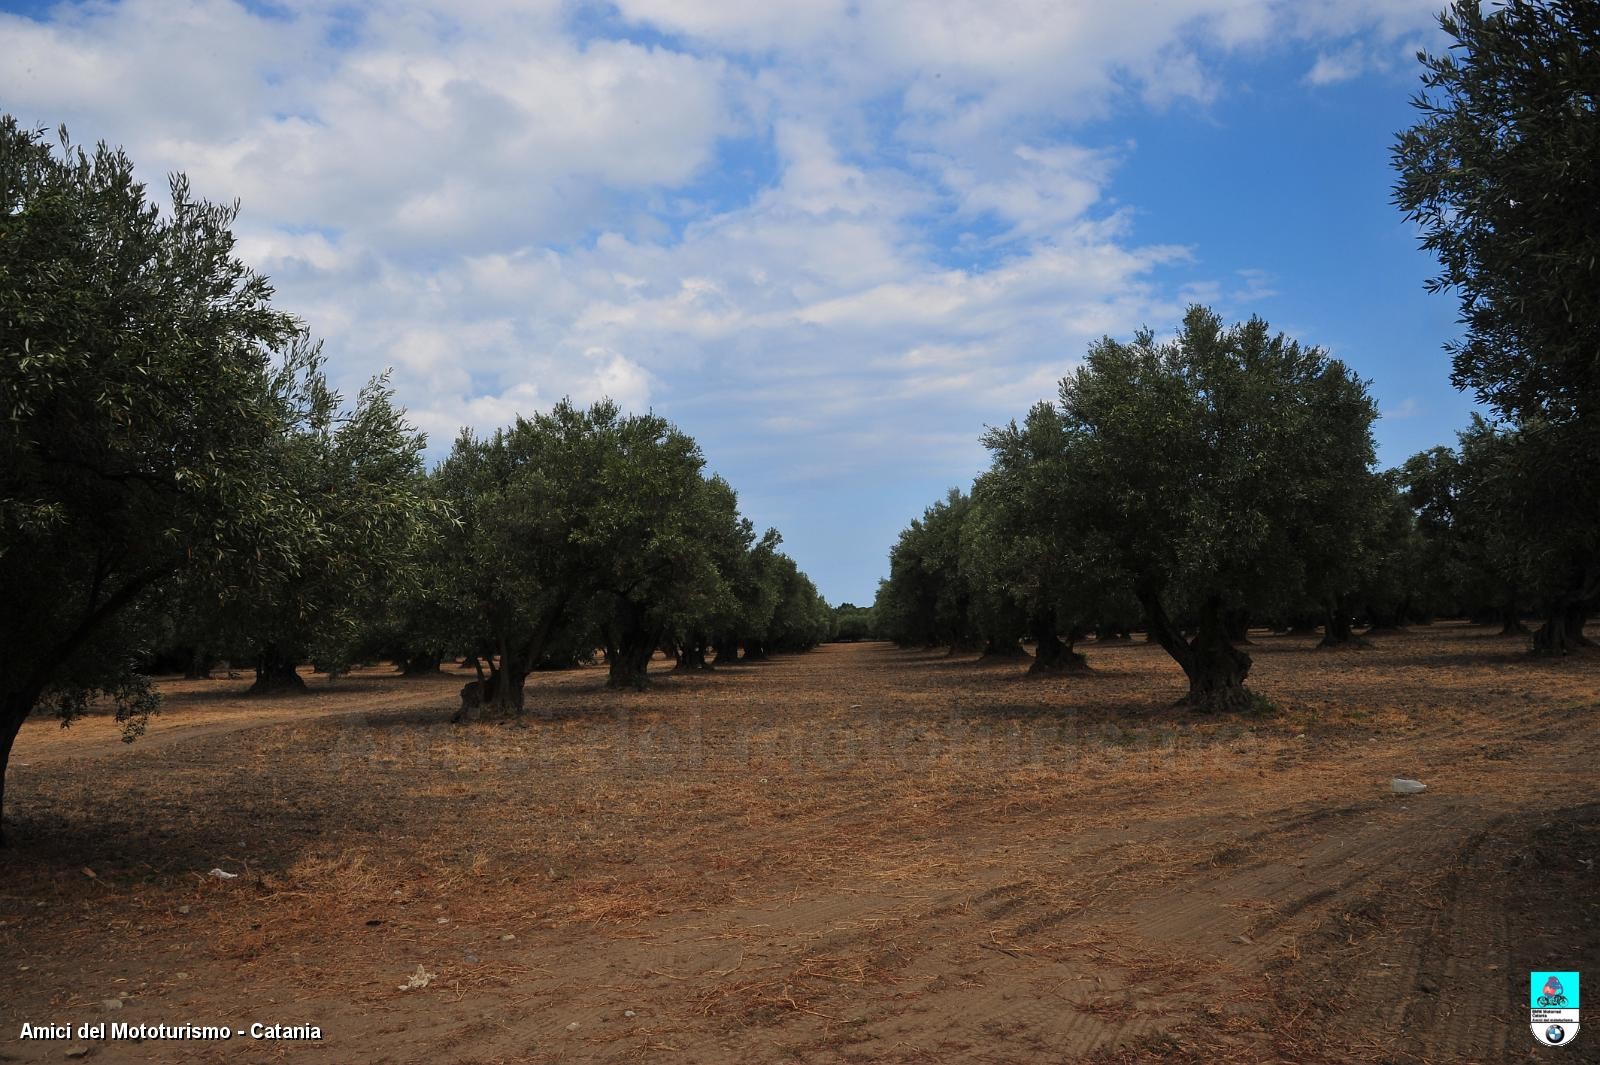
{"x":1553,"y":1007}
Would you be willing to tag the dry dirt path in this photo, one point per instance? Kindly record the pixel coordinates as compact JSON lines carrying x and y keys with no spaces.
{"x":861,"y":854}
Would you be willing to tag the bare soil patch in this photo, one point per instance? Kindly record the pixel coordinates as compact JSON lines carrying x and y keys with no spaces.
{"x":859,"y":854}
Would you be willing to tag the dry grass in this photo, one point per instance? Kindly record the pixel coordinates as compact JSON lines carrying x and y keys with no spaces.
{"x":857,"y":854}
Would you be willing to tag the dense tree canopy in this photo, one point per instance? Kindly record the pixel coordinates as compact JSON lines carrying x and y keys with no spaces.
{"x":1192,"y":480}
{"x":852,"y":623}
{"x":926,"y":599}
{"x":1028,"y":540}
{"x":1214,"y":471}
{"x":1502,"y":171}
{"x":152,"y":395}
{"x":588,"y":528}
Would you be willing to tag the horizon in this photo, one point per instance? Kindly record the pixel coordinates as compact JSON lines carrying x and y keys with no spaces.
{"x":831,"y":243}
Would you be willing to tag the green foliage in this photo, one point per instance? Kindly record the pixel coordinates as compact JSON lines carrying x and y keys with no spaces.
{"x":547,"y":525}
{"x":853,"y":623}
{"x":418,"y":620}
{"x":1026,"y":543}
{"x":161,"y":419}
{"x":1467,"y":560}
{"x":1527,"y":522}
{"x":926,"y":600}
{"x":801,"y":618}
{"x":355,"y":480}
{"x":713,"y":605}
{"x":1430,"y":482}
{"x":139,"y":400}
{"x":587,"y":527}
{"x":1225,"y":470}
{"x":1499,"y":172}
{"x":1219,"y":464}
{"x":1390,"y":587}
{"x":1221,"y":470}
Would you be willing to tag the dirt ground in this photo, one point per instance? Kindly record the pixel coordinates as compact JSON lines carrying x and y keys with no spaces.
{"x":858,"y":854}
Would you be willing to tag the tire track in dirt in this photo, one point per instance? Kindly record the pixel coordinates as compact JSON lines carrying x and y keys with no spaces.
{"x":1097,"y":900}
{"x":1454,"y":981}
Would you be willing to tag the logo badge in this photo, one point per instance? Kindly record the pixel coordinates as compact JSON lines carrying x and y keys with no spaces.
{"x":1553,"y":1007}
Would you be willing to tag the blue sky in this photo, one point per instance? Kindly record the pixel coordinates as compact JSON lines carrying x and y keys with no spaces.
{"x":833,"y":240}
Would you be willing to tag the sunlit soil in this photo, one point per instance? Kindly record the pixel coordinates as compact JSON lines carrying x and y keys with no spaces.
{"x":858,"y":854}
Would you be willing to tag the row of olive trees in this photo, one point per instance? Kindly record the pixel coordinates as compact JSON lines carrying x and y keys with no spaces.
{"x":569,"y":532}
{"x":165,"y":430}
{"x":1499,"y":173}
{"x":1025,"y":554}
{"x":584,"y":529}
{"x":1193,"y":486}
{"x":1182,"y":486}
{"x":176,"y":470}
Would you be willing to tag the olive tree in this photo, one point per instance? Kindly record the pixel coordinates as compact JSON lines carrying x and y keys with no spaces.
{"x":753,"y":588}
{"x":356,"y":477}
{"x":926,"y":599}
{"x":1499,"y":172}
{"x":1031,"y":543}
{"x":584,"y":526}
{"x":650,"y":539}
{"x":1203,"y":469}
{"x":149,"y":388}
{"x":802,"y":618}
{"x":518,"y":567}
{"x":711,"y":605}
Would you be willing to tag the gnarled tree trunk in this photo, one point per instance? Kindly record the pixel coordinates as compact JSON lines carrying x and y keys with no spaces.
{"x":14,"y":710}
{"x":1050,"y":654}
{"x":276,"y":673}
{"x":1562,"y":631}
{"x":727,"y":650}
{"x":420,"y":664}
{"x":636,"y":640}
{"x":692,"y":657}
{"x":630,"y":665}
{"x":1337,"y":630}
{"x":501,"y":689}
{"x":1215,"y":667}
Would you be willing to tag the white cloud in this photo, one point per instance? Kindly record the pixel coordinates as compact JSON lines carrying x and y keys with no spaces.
{"x":1410,"y":407}
{"x":1340,"y":66}
{"x":866,"y":223}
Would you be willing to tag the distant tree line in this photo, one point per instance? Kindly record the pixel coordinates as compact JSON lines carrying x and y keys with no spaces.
{"x":852,"y":623}
{"x":180,"y":485}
